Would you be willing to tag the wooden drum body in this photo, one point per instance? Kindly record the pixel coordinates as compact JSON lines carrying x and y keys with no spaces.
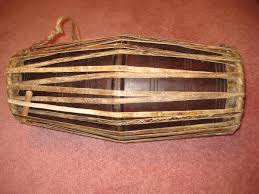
{"x":128,"y":88}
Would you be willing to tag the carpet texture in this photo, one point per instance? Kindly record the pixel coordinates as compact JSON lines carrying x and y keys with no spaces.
{"x":36,"y":160}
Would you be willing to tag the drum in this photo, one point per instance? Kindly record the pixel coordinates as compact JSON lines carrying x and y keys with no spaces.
{"x":127,"y":88}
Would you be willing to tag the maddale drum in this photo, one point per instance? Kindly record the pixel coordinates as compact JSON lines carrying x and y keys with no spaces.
{"x":127,"y":88}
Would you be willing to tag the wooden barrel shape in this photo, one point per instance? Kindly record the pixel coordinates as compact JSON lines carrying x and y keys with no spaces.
{"x":127,"y":88}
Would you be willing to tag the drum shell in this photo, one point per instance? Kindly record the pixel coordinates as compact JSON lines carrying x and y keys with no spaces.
{"x":120,"y":121}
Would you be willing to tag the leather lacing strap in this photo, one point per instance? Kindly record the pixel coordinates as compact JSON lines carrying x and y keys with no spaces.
{"x":58,"y":31}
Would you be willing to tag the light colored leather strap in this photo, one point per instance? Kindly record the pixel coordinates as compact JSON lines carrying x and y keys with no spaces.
{"x":58,"y":31}
{"x":25,"y":110}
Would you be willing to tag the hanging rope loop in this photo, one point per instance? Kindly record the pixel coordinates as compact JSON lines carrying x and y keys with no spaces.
{"x":59,"y":31}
